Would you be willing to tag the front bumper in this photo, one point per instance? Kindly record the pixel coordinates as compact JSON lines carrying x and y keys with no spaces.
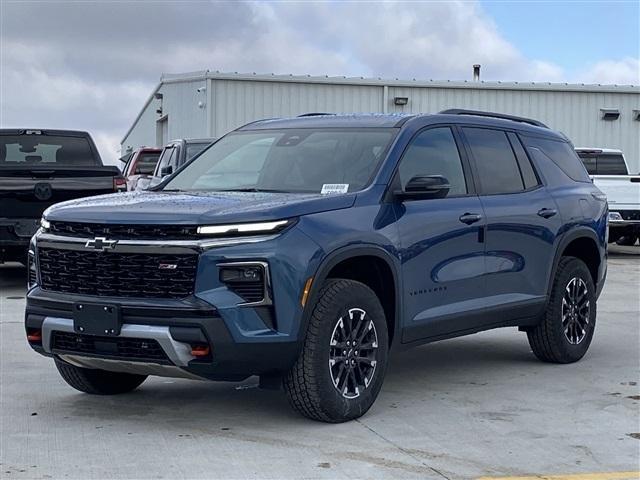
{"x":243,"y":339}
{"x":175,"y":325}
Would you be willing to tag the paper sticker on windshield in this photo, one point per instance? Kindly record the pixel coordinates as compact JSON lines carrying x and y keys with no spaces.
{"x":333,"y":188}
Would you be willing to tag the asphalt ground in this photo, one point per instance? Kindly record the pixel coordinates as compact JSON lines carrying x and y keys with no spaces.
{"x":478,"y":406}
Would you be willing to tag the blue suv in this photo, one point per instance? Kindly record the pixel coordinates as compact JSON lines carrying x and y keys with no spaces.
{"x":304,"y":250}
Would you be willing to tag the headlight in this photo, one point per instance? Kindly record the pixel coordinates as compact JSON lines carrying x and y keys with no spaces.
{"x":615,"y":217}
{"x":242,"y":228}
{"x":45,"y":224}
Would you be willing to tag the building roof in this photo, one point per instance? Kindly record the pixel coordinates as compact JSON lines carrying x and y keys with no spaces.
{"x":396,"y":82}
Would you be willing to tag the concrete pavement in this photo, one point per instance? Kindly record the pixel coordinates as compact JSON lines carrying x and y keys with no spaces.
{"x":464,"y":408}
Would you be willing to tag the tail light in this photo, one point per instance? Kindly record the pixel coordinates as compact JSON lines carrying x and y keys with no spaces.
{"x":119,"y":184}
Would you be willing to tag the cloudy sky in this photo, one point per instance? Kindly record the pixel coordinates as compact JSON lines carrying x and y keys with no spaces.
{"x":90,"y":65}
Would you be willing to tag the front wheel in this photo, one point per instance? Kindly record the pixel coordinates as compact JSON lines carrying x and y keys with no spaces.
{"x":566,"y":330}
{"x":98,"y":382}
{"x":340,"y":370}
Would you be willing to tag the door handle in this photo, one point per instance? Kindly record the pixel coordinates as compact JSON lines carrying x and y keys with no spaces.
{"x":470,"y":218}
{"x":547,"y":212}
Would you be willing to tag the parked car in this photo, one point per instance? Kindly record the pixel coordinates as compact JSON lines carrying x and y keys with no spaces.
{"x":140,"y":165}
{"x":358,"y":234}
{"x":173,"y":156}
{"x":39,"y":168}
{"x":609,"y":171}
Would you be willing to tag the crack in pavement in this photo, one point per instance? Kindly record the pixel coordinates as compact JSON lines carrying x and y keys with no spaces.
{"x":403,"y":450}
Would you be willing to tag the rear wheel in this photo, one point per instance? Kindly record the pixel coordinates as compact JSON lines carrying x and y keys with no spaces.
{"x":627,"y":240}
{"x":565,"y":333}
{"x":98,"y":382}
{"x":341,"y":367}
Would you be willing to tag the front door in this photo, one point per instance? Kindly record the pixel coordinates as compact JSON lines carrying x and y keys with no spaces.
{"x":441,"y":249}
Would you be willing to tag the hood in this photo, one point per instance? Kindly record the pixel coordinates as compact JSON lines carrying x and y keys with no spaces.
{"x":194,"y":208}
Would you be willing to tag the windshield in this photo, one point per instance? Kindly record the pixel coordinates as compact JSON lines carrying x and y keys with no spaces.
{"x":45,"y":150}
{"x":300,"y":160}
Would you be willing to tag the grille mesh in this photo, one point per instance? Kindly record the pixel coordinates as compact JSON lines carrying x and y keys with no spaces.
{"x":117,"y":274}
{"x":249,"y":291}
{"x":121,"y":347}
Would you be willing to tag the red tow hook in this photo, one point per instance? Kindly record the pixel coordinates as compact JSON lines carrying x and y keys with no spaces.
{"x":35,"y":336}
{"x":200,"y":350}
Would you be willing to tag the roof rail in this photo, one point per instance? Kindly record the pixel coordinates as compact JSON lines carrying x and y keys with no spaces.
{"x":315,"y":114}
{"x":460,"y":111}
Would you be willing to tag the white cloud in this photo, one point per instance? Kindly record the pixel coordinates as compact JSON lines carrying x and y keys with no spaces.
{"x":620,"y":72}
{"x":92,"y":65}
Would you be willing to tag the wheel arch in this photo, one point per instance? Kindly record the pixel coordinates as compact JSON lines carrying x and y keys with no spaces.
{"x":336,"y":264}
{"x":581,"y":243}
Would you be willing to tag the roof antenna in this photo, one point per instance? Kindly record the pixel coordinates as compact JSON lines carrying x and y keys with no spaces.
{"x":476,"y":72}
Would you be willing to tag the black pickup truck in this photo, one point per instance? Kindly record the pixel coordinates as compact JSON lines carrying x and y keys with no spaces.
{"x":39,"y":168}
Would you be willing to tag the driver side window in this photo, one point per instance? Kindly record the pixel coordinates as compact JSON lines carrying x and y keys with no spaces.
{"x":434,"y":152}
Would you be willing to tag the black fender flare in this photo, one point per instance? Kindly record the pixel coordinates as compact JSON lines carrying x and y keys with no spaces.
{"x":565,"y":240}
{"x":343,"y":253}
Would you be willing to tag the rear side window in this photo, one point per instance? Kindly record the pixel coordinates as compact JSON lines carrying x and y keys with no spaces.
{"x":46,"y":150}
{"x":562,"y":154}
{"x":497,"y":166}
{"x":611,"y":164}
{"x":529,"y":176}
{"x":146,"y":163}
{"x":434,"y":152}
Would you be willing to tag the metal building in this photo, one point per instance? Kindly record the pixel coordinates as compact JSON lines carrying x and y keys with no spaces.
{"x":210,"y":104}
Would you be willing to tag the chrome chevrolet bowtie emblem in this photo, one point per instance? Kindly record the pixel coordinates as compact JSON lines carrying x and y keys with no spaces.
{"x":101,"y":243}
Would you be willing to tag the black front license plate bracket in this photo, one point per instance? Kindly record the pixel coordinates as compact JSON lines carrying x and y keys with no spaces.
{"x":96,"y":319}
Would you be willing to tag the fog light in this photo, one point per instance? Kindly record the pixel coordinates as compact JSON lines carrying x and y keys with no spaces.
{"x":249,"y":273}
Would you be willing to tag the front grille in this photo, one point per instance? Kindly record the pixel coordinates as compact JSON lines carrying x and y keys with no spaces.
{"x":113,"y":274}
{"x":119,"y":232}
{"x":140,"y":349}
{"x":32,"y":278}
{"x":630,"y":214}
{"x":249,"y":291}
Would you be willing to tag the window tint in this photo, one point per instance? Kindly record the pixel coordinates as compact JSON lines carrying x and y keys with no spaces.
{"x":589,"y":161}
{"x":146,"y":163}
{"x":46,"y":150}
{"x":562,"y":154}
{"x":526,"y":169}
{"x":167,"y":155}
{"x":612,"y":164}
{"x":289,"y":160}
{"x":193,"y":149}
{"x":496,"y":163}
{"x":434,"y":152}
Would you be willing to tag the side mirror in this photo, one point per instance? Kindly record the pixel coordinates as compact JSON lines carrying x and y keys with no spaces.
{"x":164,"y":171}
{"x":425,"y":186}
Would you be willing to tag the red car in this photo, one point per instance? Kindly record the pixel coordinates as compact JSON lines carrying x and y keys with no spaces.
{"x":141,"y":164}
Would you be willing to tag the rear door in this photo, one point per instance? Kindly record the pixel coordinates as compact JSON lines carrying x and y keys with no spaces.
{"x":442,"y":253}
{"x":522,"y":221}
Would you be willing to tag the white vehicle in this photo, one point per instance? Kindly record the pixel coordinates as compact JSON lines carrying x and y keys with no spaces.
{"x":610,"y":173}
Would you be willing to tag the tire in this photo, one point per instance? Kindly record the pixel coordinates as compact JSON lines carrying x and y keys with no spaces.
{"x":556,"y":341}
{"x":627,"y":240}
{"x":98,"y":382}
{"x":310,"y":384}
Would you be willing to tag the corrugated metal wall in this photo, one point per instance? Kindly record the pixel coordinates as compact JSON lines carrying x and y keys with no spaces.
{"x":577,"y":114}
{"x":236,"y":103}
{"x":228,"y":103}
